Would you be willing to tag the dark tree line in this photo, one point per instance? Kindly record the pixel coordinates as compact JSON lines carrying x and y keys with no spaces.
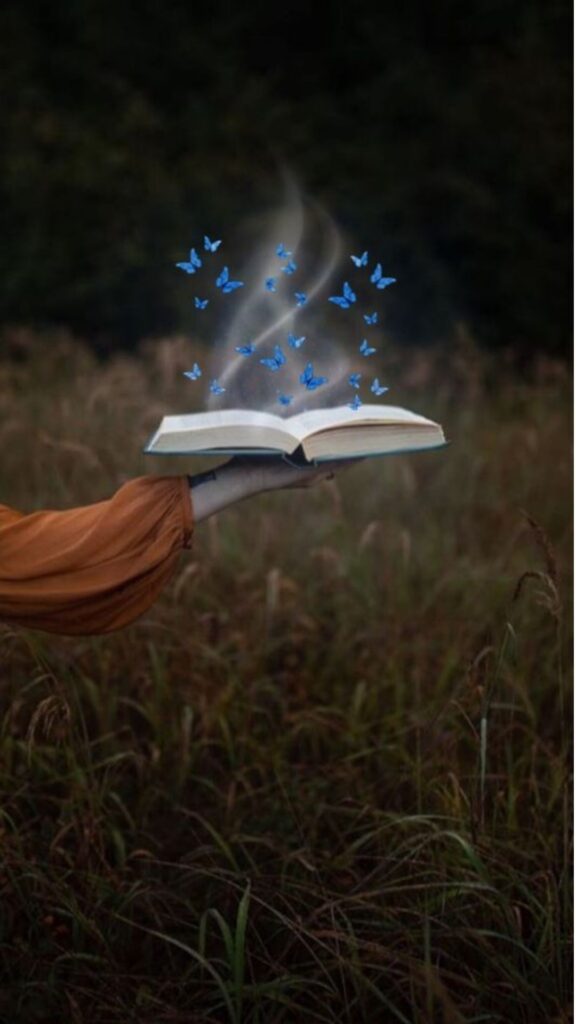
{"x":437,"y":134}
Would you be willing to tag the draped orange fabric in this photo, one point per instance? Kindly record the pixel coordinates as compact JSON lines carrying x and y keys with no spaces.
{"x":93,"y":569}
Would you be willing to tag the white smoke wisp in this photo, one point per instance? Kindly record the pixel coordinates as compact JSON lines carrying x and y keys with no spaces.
{"x":265,"y":319}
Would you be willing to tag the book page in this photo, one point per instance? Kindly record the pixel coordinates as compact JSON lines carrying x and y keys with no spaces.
{"x":306,"y":423}
{"x":346,"y":442}
{"x":227,"y":419}
{"x":223,"y":418}
{"x":232,"y":429}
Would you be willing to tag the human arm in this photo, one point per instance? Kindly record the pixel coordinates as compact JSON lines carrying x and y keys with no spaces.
{"x":243,"y":476}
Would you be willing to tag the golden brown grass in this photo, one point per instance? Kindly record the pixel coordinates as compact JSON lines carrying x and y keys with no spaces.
{"x":326,"y":777}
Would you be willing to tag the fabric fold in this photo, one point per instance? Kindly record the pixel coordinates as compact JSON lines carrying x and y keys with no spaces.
{"x":94,"y":569}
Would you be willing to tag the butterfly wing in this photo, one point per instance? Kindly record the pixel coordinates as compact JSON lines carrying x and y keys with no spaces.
{"x":376,"y":273}
{"x":194,"y":373}
{"x":231,"y":286}
{"x":244,"y":350}
{"x":348,"y":293}
{"x":365,"y":348}
{"x":190,"y":265}
{"x":339,"y":300}
{"x":309,"y":380}
{"x":316,"y":382}
{"x":222,"y":277}
{"x":295,"y":342}
{"x":276,"y":361}
{"x":385,"y":281}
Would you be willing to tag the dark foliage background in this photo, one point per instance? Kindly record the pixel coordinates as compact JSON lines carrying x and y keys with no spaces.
{"x":437,"y":134}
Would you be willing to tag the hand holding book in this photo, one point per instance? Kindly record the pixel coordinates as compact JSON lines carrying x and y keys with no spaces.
{"x":277,"y":473}
{"x":246,"y":475}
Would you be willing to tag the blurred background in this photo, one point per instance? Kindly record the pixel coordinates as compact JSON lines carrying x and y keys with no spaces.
{"x":439,"y":134}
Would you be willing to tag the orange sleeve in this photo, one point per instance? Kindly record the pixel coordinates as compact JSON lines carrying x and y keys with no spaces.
{"x":97,"y":568}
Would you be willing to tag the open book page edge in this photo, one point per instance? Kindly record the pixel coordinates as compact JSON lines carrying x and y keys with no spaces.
{"x":191,"y":423}
{"x":347,"y":441}
{"x":381,"y":455}
{"x":316,"y":421}
{"x":294,"y":428}
{"x":223,"y":418}
{"x":275,"y":453}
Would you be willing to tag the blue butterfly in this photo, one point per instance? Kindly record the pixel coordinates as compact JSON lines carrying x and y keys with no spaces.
{"x":282,"y":252}
{"x":346,"y":299}
{"x":277,"y":360}
{"x":371,"y":318}
{"x":360,"y":261}
{"x":200,"y":303}
{"x":309,"y":380}
{"x":216,"y":388}
{"x":194,"y":373}
{"x":223,"y":282}
{"x":245,"y":350}
{"x":376,"y":388}
{"x":295,"y":342}
{"x":378,"y":280}
{"x":270,"y":283}
{"x":289,"y":268}
{"x":192,"y":264}
{"x":365,"y":348}
{"x":354,"y":380}
{"x":284,"y":399}
{"x":355,"y":403}
{"x":301,"y":298}
{"x":211,"y":246}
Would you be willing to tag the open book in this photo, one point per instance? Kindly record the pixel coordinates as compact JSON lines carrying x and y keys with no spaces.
{"x":324,"y":434}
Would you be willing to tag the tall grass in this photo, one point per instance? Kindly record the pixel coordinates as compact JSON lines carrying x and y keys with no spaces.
{"x":327,"y":776}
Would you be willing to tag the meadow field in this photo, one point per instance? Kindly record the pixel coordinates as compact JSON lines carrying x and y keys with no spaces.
{"x":327,"y":777}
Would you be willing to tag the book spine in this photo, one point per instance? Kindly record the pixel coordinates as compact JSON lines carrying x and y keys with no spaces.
{"x":297,"y":460}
